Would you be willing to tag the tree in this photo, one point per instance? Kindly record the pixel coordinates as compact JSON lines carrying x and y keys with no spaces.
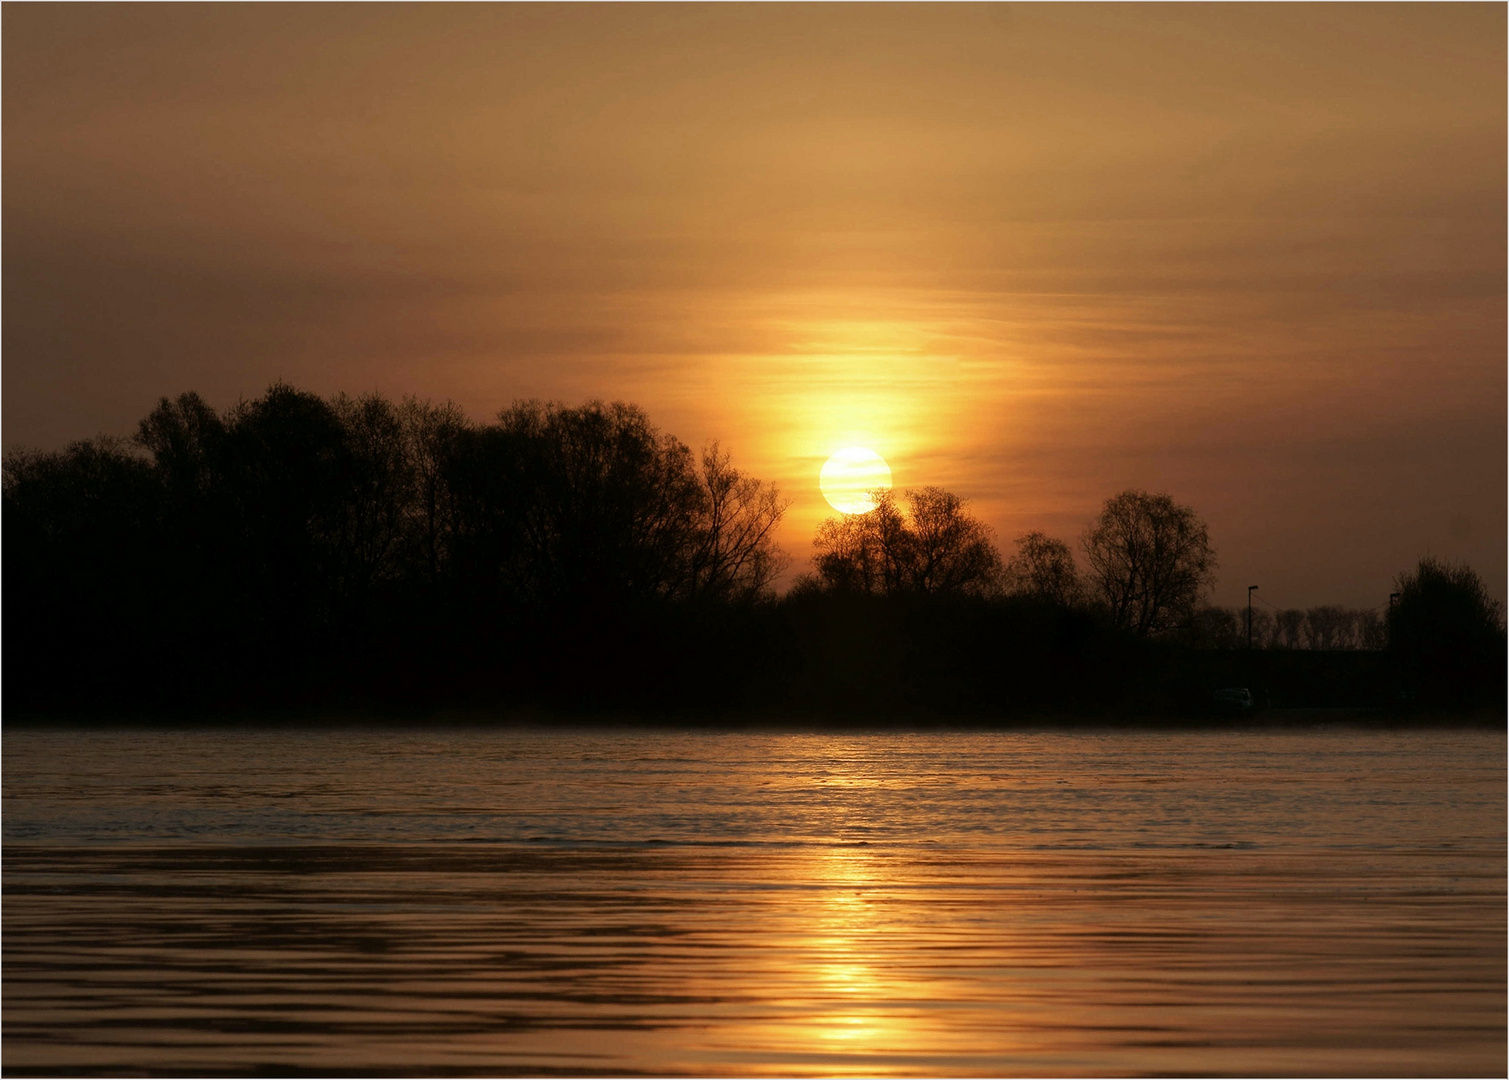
{"x":188,"y":441}
{"x":850,"y":556}
{"x":1150,"y":561}
{"x":735,"y":556}
{"x":1289,"y":625}
{"x":934,"y":547}
{"x":1043,"y":568}
{"x":185,"y":438}
{"x":432,"y":434}
{"x":1329,"y":627}
{"x":950,"y":552}
{"x":1262,"y":628}
{"x":1447,"y":635}
{"x":369,"y":531}
{"x":572,"y":506}
{"x":295,"y":542}
{"x":285,"y":466}
{"x":83,"y":556}
{"x":1217,"y":628}
{"x":1372,"y":634}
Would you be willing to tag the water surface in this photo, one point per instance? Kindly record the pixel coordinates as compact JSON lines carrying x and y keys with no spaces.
{"x":528,"y":902}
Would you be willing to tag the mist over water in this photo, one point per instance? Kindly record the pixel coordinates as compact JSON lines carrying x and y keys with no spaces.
{"x":537,"y":902}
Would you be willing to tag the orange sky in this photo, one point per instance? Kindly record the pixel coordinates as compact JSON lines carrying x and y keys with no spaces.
{"x":1250,"y":255}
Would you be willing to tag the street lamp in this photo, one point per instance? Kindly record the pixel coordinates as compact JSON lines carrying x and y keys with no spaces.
{"x":1250,"y":590}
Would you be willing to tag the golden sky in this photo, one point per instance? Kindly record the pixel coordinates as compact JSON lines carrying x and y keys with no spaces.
{"x":1250,"y":255}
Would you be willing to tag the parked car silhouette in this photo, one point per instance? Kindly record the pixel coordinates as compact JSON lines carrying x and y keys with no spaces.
{"x":1234,"y":699}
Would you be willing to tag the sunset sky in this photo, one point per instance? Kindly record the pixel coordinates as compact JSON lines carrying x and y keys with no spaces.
{"x":1253,"y":256}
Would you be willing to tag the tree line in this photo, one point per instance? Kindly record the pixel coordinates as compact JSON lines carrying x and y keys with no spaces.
{"x":1149,"y":564}
{"x":298,"y":549}
{"x":290,"y":537}
{"x":1150,"y":559}
{"x":1323,"y":628}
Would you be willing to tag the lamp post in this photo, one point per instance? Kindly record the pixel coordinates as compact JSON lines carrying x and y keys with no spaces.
{"x":1401,"y":684}
{"x":1250,"y":590}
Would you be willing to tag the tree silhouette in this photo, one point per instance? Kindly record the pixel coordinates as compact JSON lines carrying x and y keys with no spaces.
{"x":202,"y":526}
{"x":734,"y":556}
{"x":949,"y":552}
{"x":1150,"y":561}
{"x":562,"y":507}
{"x":1289,"y":628}
{"x":185,"y":438}
{"x":287,"y":467}
{"x":851,"y":550}
{"x":369,"y":532}
{"x":1216,"y":628}
{"x":432,"y":434}
{"x":1043,"y":568}
{"x":299,"y":537}
{"x":1330,"y":627}
{"x":316,"y":551}
{"x":1372,"y":632}
{"x":84,"y":559}
{"x":1447,"y":635}
{"x":1262,"y":629}
{"x":934,"y":547}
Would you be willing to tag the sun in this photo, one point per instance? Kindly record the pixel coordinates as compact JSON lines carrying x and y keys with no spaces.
{"x":851,"y":476}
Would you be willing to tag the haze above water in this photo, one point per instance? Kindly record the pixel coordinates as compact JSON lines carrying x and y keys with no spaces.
{"x":1318,"y":902}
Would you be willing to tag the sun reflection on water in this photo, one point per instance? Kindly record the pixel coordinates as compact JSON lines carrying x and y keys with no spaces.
{"x":852,"y":1002}
{"x":846,"y":943}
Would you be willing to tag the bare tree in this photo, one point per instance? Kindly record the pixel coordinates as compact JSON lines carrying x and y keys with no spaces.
{"x":950,"y":551}
{"x":735,"y":555}
{"x":571,"y":507}
{"x":1217,"y":628}
{"x":1328,"y":628}
{"x":1262,"y":629}
{"x":934,"y":547}
{"x":850,"y":555}
{"x":1150,"y":561}
{"x":1372,"y":633}
{"x":1043,"y":568}
{"x":367,"y":533}
{"x":184,"y":437}
{"x":431,"y":434}
{"x":1289,"y":626}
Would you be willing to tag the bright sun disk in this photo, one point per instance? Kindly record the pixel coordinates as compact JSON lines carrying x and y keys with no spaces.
{"x":851,"y":477}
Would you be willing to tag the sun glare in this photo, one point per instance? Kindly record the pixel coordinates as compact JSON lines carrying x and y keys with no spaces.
{"x":851,"y":477}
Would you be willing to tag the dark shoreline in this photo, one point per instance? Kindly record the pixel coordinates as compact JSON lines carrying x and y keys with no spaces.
{"x":1363,"y":719}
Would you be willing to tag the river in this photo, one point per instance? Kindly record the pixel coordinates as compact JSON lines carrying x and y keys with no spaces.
{"x":580,"y":902}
